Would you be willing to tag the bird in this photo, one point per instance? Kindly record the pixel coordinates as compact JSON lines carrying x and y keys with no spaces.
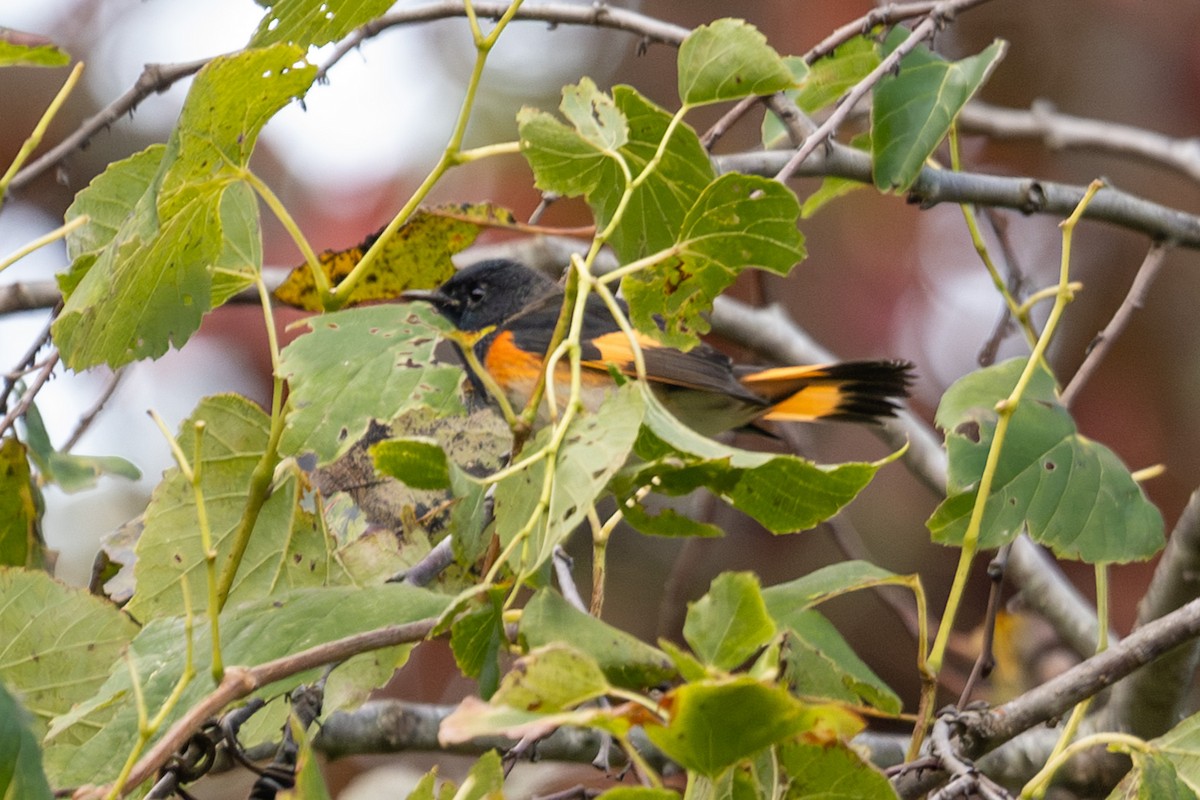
{"x":517,"y":308}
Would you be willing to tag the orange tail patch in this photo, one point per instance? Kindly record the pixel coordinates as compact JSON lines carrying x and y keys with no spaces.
{"x":859,"y":391}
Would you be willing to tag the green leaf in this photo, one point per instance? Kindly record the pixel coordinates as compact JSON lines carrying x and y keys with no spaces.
{"x":484,"y":780}
{"x":829,"y":190}
{"x":309,"y":781}
{"x":831,"y":77}
{"x":419,"y":462}
{"x":784,"y":493}
{"x":72,"y":473}
{"x":625,"y":660}
{"x":831,"y":771}
{"x":1157,"y":776}
{"x":29,"y":50}
{"x":738,"y":221}
{"x":1175,"y":759}
{"x":474,"y":718}
{"x":728,"y":60}
{"x":667,"y":522}
{"x":107,"y":202}
{"x":1074,"y":495}
{"x":638,"y":793}
{"x":21,"y":543}
{"x":715,"y":725}
{"x":476,"y":638}
{"x":912,"y":111}
{"x":784,"y":599}
{"x":729,"y":624}
{"x":59,"y":643}
{"x":594,"y":448}
{"x":553,"y":678}
{"x":824,"y":82}
{"x":361,"y":365}
{"x":312,"y":23}
{"x":688,"y":666}
{"x":819,"y":664}
{"x":565,"y":162}
{"x":287,"y":549}
{"x":90,"y":743}
{"x":594,"y":116}
{"x":152,"y":283}
{"x":21,"y":775}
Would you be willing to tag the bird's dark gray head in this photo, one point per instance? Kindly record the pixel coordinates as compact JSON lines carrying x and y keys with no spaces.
{"x":486,"y":293}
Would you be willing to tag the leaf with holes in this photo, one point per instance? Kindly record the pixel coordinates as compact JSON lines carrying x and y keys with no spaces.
{"x":737,"y":222}
{"x":89,"y":742}
{"x":288,"y":549}
{"x":564,"y":160}
{"x":1074,"y":494}
{"x":313,"y":23}
{"x":364,"y":364}
{"x":727,"y":60}
{"x":150,"y":285}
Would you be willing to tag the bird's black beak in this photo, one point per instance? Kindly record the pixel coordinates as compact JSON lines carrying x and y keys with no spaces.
{"x":435,"y":297}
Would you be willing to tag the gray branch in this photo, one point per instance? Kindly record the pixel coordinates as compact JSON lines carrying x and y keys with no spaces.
{"x":1027,"y":195}
{"x":1059,"y":131}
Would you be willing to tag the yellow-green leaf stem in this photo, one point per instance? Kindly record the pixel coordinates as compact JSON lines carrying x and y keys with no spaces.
{"x":1020,"y":313}
{"x":1038,"y":785}
{"x":148,"y":728}
{"x":289,"y":224}
{"x":192,"y":475}
{"x":1081,"y":708}
{"x":60,"y":232}
{"x":1004,"y":410}
{"x":35,"y":138}
{"x":337,"y":296}
{"x":259,"y":487}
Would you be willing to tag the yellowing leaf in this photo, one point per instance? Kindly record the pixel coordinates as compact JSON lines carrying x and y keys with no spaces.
{"x":417,"y":257}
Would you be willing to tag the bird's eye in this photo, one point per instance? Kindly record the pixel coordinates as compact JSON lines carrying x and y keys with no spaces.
{"x":477,"y":294}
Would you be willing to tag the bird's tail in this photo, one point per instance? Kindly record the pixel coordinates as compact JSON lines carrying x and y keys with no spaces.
{"x":857,"y":391}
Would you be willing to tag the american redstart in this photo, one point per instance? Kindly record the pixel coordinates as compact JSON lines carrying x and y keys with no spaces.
{"x":702,"y":387}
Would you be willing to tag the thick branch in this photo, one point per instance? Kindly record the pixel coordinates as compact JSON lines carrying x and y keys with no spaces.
{"x":983,"y":731}
{"x":240,"y":682}
{"x":1148,"y":703}
{"x":1065,"y":132}
{"x":1027,"y":195}
{"x":396,"y":726}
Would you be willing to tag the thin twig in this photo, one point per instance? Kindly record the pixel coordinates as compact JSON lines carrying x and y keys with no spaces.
{"x":928,"y":26}
{"x":90,"y":415}
{"x":596,"y":15}
{"x":728,"y":120}
{"x":154,"y":78}
{"x":1134,"y":300}
{"x":986,"y":660}
{"x":29,"y":394}
{"x":968,"y":781}
{"x":884,"y":15}
{"x":242,"y":681}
